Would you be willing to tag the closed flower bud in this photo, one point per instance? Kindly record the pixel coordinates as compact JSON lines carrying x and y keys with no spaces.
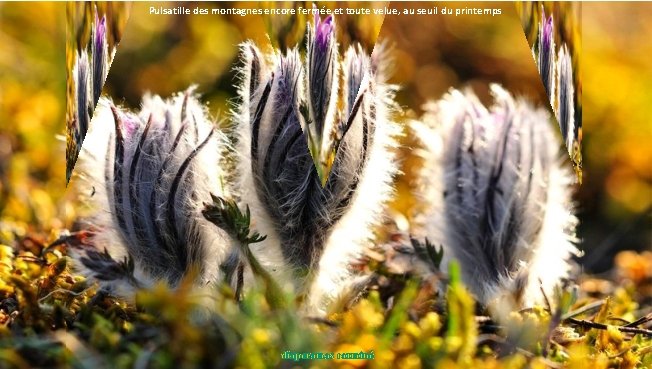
{"x":148,"y":176}
{"x":546,"y":56}
{"x":83,"y":90}
{"x":556,"y":69}
{"x":100,"y":56}
{"x":321,"y":88}
{"x":316,"y":222}
{"x":566,"y":105}
{"x":498,"y":197}
{"x":89,"y":74}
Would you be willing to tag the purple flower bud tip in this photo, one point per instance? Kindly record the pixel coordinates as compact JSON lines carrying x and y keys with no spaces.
{"x":547,"y":32}
{"x":130,"y":125}
{"x":323,"y":30}
{"x":100,"y":30}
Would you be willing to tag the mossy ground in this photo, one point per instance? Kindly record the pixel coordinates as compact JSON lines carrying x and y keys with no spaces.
{"x":51,"y":317}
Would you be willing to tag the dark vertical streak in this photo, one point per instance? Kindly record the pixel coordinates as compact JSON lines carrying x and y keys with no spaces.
{"x":275,"y":137}
{"x":354,"y":112}
{"x":474,"y":161}
{"x":171,"y":220}
{"x":458,"y":161}
{"x":240,"y":282}
{"x":489,"y":221}
{"x":117,"y":169}
{"x":254,"y":72}
{"x":256,"y":124}
{"x":287,"y":148}
{"x":152,"y":198}
{"x":133,"y":187}
{"x":195,"y":129}
{"x":319,"y":89}
{"x":184,"y":107}
{"x":305,"y":258}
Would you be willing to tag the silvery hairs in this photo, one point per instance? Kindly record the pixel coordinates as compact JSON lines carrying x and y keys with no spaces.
{"x":498,"y":194}
{"x":89,"y":72}
{"x":147,"y":176}
{"x":316,"y":224}
{"x":556,"y":70}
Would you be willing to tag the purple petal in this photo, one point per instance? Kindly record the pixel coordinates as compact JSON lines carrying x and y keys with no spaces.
{"x":100,"y":57}
{"x":546,"y":57}
{"x":100,"y":31}
{"x":323,"y":31}
{"x":547,"y":33}
{"x":321,"y":70}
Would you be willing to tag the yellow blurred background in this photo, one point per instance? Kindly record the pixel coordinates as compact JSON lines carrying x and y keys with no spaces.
{"x":165,"y":54}
{"x":616,"y":202}
{"x":32,"y":113}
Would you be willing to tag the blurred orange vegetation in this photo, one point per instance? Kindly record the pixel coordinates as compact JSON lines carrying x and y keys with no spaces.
{"x":635,"y":267}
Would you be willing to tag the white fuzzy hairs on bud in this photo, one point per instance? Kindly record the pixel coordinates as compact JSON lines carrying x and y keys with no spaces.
{"x":498,"y":195}
{"x":314,"y":230}
{"x":314,"y":147}
{"x":354,"y":231}
{"x":147,"y":176}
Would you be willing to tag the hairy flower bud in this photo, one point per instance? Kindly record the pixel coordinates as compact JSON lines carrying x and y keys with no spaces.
{"x":321,"y":86}
{"x":90,"y":70}
{"x":546,"y":58}
{"x":498,"y":196}
{"x":566,"y":105}
{"x":150,"y":173}
{"x":315,"y":226}
{"x":100,"y":57}
{"x":556,"y":70}
{"x":83,"y":89}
